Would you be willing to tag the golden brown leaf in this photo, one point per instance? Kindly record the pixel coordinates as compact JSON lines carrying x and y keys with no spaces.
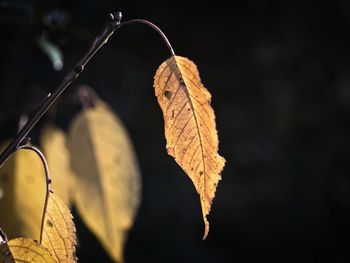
{"x":108,"y":180}
{"x":22,"y":181}
{"x":24,"y":250}
{"x":53,"y":143}
{"x":59,"y":231}
{"x":190,"y":130}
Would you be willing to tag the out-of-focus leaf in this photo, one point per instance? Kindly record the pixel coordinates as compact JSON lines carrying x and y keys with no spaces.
{"x":53,"y":143}
{"x":22,"y":181}
{"x":24,"y":250}
{"x":52,"y":51}
{"x":107,"y":193}
{"x":59,"y":231}
{"x":190,"y":128}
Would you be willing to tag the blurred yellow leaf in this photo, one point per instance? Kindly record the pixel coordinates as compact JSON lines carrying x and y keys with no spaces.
{"x":53,"y":143}
{"x":24,"y":250}
{"x":22,"y":182}
{"x":190,"y":130}
{"x":108,"y":180}
{"x":59,"y":231}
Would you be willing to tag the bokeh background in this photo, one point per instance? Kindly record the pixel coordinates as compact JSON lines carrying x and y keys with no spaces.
{"x":279,"y":73}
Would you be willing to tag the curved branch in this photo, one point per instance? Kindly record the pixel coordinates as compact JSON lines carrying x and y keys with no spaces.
{"x":48,"y":182}
{"x":154,"y":27}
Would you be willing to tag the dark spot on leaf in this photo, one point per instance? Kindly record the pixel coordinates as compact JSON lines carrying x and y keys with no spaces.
{"x":188,"y":109}
{"x":192,"y":169}
{"x":201,"y":172}
{"x":168,"y":94}
{"x":172,"y":114}
{"x":49,"y":223}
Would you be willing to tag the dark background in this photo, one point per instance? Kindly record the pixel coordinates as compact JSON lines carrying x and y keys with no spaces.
{"x":279,"y":73}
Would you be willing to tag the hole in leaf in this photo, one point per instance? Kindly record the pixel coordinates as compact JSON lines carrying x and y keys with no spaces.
{"x":49,"y":223}
{"x":168,"y":94}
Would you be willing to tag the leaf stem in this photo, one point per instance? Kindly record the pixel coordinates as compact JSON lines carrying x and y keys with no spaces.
{"x":51,"y":98}
{"x":48,"y":183}
{"x":153,"y":26}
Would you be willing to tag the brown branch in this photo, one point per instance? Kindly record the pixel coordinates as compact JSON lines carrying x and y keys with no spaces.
{"x":47,"y":181}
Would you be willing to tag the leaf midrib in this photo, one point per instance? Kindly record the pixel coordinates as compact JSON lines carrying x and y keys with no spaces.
{"x":98,"y":170}
{"x":189,"y":98}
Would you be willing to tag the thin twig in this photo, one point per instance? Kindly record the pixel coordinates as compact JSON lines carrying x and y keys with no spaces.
{"x":47,"y":180}
{"x":100,"y":40}
{"x":153,"y":26}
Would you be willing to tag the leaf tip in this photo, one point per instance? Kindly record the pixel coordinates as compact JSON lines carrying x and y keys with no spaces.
{"x":206,"y":229}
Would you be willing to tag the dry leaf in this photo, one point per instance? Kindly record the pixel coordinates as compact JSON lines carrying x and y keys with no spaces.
{"x":24,"y":250}
{"x":190,"y":126}
{"x":22,"y":180}
{"x":59,"y":231}
{"x":53,"y":143}
{"x":108,"y":180}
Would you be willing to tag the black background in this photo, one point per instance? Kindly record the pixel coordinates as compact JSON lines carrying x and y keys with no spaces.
{"x":279,"y":74}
